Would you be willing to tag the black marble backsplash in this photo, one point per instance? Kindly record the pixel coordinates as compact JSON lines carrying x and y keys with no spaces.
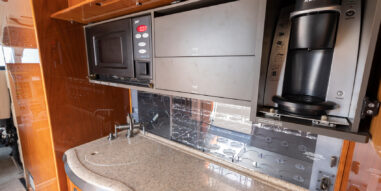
{"x":281,"y":153}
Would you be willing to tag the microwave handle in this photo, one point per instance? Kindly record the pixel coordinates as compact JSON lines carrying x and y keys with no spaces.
{"x":95,"y":52}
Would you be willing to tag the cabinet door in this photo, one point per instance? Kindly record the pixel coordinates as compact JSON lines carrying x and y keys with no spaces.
{"x":109,"y":48}
{"x":213,"y":51}
{"x":227,"y":77}
{"x":227,"y":29}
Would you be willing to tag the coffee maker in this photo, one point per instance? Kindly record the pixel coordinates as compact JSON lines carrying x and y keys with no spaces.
{"x":313,"y":60}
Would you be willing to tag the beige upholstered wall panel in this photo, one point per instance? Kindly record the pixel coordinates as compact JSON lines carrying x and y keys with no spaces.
{"x":5,"y":108}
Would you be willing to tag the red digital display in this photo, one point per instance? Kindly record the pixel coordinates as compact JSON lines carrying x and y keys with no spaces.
{"x":141,"y":28}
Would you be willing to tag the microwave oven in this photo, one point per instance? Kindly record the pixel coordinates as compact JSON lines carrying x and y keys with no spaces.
{"x":121,"y":51}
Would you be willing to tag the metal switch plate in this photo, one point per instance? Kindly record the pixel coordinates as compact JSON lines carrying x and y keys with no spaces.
{"x":325,"y":181}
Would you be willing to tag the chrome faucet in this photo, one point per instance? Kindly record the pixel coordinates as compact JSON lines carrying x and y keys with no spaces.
{"x":130,"y":126}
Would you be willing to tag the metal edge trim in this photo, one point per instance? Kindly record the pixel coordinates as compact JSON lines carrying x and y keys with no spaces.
{"x":361,"y":137}
{"x":320,"y":9}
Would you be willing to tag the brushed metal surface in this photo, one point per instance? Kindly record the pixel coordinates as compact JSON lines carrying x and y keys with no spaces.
{"x":228,"y":77}
{"x":220,"y":30}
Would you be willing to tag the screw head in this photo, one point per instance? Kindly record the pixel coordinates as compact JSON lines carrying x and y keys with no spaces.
{"x":371,"y":105}
{"x":369,"y":112}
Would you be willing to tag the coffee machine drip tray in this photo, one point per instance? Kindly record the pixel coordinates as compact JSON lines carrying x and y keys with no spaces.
{"x":278,"y":115}
{"x":303,"y":105}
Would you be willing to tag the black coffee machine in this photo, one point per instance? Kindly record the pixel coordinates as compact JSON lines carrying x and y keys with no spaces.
{"x":314,"y":26}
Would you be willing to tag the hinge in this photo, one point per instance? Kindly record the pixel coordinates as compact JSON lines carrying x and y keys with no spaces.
{"x":370,"y":107}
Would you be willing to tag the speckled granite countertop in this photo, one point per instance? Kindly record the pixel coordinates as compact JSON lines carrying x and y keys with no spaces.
{"x":150,"y":163}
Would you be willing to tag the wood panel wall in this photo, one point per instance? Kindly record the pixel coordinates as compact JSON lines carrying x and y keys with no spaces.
{"x":33,"y":124}
{"x":28,"y":96}
{"x":79,"y":111}
{"x":57,"y":108}
{"x":363,"y":169}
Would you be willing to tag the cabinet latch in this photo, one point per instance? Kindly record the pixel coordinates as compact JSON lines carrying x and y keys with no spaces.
{"x":370,"y":107}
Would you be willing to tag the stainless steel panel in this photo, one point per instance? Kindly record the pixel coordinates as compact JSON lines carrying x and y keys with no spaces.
{"x":276,"y":67}
{"x":228,"y":77}
{"x":224,"y":29}
{"x":331,"y":147}
{"x":369,"y":33}
{"x":344,"y":61}
{"x":294,"y":124}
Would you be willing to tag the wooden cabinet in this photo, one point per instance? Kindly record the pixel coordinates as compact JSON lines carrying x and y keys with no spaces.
{"x":71,"y":186}
{"x":55,"y":106}
{"x":88,"y":11}
{"x":75,"y":2}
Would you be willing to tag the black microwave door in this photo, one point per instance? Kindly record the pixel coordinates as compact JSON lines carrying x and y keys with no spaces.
{"x":110,"y":50}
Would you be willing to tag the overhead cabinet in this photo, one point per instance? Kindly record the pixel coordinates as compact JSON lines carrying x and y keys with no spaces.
{"x":204,"y":49}
{"x":222,"y":30}
{"x":90,"y":11}
{"x":297,"y":75}
{"x":209,"y":51}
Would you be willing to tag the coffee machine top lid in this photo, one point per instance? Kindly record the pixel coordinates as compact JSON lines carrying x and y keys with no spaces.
{"x":301,"y":5}
{"x":311,"y":6}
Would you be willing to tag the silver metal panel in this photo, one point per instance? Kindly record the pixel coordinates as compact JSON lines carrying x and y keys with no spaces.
{"x":369,"y":33}
{"x":220,"y":30}
{"x":174,"y":93}
{"x":271,"y":15}
{"x":259,"y":41}
{"x":327,"y":131}
{"x":276,"y":67}
{"x":344,"y":61}
{"x":331,"y":147}
{"x":228,"y":77}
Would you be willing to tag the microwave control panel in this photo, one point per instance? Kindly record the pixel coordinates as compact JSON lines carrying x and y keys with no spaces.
{"x":142,"y":35}
{"x":142,"y":40}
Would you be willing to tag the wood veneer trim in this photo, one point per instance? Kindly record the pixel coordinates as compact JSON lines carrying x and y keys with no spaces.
{"x":347,"y":163}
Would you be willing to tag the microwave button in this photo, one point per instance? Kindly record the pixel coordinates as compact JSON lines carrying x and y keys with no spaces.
{"x":142,"y":51}
{"x":138,"y":36}
{"x":141,"y":44}
{"x":145,"y":35}
{"x":141,"y":28}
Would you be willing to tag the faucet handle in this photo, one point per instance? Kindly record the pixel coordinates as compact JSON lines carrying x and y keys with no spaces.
{"x":111,"y":137}
{"x":130,"y":120}
{"x":143,"y":127}
{"x":129,"y":133}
